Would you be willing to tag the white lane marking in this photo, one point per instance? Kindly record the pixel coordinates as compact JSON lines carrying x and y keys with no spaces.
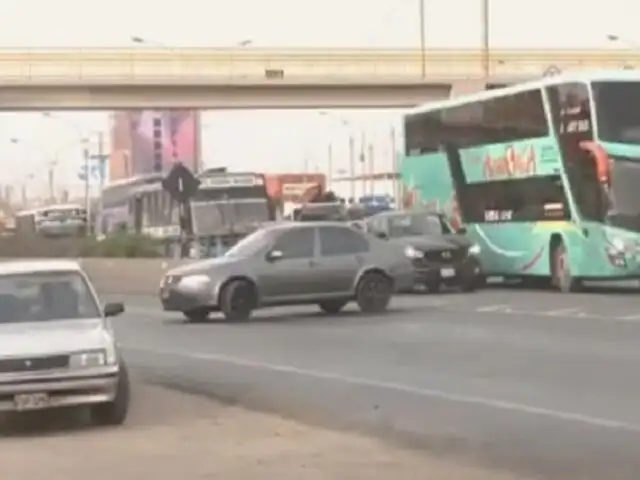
{"x":501,"y":308}
{"x":506,"y":309}
{"x":492,"y":403}
{"x":143,"y":310}
{"x":564,"y":312}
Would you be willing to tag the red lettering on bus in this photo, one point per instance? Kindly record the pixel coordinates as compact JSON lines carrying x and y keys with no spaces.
{"x":512,"y":163}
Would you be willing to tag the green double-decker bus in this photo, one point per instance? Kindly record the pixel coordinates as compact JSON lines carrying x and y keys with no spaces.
{"x":544,"y":176}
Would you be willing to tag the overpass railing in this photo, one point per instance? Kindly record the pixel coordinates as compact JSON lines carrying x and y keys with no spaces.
{"x":238,"y":65}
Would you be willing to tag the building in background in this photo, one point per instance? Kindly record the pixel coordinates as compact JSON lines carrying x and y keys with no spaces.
{"x":147,"y":141}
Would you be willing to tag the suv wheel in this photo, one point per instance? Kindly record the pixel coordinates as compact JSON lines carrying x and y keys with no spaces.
{"x":373,"y":292}
{"x":237,"y":300}
{"x":332,"y":306}
{"x":114,"y":412}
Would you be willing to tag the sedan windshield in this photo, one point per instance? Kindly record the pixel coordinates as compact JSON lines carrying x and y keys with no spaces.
{"x":46,"y":296}
{"x":413,"y":224}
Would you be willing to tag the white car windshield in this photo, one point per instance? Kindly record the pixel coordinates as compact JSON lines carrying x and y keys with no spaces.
{"x":41,"y":297}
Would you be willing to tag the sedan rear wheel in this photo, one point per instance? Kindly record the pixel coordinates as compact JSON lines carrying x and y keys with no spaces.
{"x":373,"y":293}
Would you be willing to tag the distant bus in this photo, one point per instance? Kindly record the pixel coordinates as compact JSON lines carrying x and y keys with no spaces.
{"x":544,"y":175}
{"x":117,"y":205}
{"x":226,"y":207}
{"x":52,"y":221}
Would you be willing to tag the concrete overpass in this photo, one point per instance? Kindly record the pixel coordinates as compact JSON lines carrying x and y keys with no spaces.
{"x":266,"y":78}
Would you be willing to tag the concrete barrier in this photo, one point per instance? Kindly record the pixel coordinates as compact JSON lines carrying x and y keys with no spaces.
{"x":135,"y":276}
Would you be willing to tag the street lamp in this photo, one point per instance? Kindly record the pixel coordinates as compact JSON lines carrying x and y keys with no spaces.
{"x":247,"y":42}
{"x":618,"y":39}
{"x":145,"y":41}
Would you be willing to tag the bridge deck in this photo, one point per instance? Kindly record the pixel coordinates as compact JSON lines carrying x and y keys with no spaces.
{"x":302,"y":66}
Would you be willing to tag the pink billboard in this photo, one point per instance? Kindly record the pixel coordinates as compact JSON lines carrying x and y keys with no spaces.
{"x":146,"y":141}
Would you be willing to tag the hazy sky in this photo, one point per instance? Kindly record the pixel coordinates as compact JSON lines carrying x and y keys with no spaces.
{"x":280,"y":139}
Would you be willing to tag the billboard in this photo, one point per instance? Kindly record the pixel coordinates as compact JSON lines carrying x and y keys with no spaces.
{"x":147,"y":141}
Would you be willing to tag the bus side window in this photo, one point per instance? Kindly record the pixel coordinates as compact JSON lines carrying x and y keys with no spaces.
{"x":422,"y":132}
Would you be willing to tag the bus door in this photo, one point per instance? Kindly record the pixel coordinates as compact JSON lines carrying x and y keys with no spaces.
{"x":573,"y":125}
{"x":459,"y":180}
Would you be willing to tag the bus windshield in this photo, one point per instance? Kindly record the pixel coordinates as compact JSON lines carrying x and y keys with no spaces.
{"x":624,"y":195}
{"x":617,"y":111}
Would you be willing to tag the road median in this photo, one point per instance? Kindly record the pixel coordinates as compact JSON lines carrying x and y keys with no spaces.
{"x":135,"y":276}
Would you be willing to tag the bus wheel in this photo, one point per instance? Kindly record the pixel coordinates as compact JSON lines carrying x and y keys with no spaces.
{"x":562,"y":278}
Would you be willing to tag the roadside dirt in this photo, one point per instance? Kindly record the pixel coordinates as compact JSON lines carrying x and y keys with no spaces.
{"x":172,"y":435}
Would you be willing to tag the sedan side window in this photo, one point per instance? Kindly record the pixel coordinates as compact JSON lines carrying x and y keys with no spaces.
{"x":342,"y":241}
{"x":378,"y":225}
{"x":296,"y":243}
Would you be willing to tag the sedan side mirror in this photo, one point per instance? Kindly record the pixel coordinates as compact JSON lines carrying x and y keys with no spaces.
{"x":275,"y":255}
{"x":113,"y":309}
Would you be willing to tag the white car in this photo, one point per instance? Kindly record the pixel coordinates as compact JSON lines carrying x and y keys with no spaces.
{"x":57,"y":347}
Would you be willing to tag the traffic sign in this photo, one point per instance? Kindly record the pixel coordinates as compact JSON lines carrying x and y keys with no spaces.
{"x":180,"y":183}
{"x":93,"y":169}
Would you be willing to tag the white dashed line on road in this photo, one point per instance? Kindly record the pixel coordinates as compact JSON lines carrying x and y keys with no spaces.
{"x":493,"y":403}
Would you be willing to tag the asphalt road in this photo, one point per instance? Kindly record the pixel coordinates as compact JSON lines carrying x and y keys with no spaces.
{"x":530,"y":381}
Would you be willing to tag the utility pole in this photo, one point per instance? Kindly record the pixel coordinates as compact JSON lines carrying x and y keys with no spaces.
{"x":87,"y":192}
{"x":329,"y":166}
{"x":395,"y":163}
{"x":363,"y":162}
{"x":102,"y":163}
{"x":352,"y":167}
{"x":486,"y":39}
{"x":52,"y":181}
{"x":372,"y":168}
{"x":423,"y":41}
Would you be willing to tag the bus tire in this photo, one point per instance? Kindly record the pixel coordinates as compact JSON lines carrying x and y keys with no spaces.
{"x":561,"y":275}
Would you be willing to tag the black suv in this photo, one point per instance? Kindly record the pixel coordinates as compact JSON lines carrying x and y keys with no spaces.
{"x":439,"y":255}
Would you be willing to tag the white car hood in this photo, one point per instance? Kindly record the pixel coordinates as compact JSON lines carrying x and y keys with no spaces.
{"x":52,"y":337}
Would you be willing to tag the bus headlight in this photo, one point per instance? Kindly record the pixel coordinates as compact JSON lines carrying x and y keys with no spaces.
{"x":618,"y":244}
{"x":411,"y":252}
{"x":474,"y":249}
